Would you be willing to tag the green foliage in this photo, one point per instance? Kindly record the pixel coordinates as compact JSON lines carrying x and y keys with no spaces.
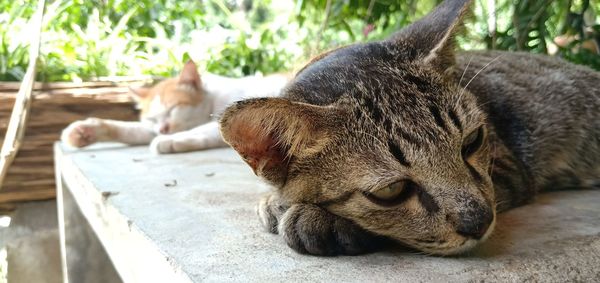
{"x":14,"y":53}
{"x":85,"y":39}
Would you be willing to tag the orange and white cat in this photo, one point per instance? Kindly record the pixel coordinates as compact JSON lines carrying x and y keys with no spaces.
{"x":178,"y":114}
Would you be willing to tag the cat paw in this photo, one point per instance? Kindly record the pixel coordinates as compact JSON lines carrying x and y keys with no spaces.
{"x":162,"y":145}
{"x":310,"y":229}
{"x":178,"y":142}
{"x":81,"y":133}
{"x":269,"y":210}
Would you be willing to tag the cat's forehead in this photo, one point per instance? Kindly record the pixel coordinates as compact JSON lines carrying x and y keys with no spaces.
{"x":174,"y":93}
{"x":385,"y":94}
{"x":371,"y":69}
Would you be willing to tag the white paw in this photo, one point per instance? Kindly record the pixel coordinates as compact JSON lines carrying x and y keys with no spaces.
{"x":270,"y":209}
{"x":81,"y":133}
{"x":162,"y":144}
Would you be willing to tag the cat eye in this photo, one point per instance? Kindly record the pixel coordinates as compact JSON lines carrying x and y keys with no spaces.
{"x":391,"y":194}
{"x":473,"y":142}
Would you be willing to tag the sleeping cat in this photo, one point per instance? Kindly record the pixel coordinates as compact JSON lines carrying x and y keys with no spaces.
{"x":177,"y":114}
{"x":403,"y":139}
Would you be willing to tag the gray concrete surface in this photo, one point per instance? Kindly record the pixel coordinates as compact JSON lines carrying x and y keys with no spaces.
{"x":31,"y":243}
{"x":190,"y":217}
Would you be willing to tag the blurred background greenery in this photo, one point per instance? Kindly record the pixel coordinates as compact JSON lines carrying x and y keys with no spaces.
{"x":87,"y":39}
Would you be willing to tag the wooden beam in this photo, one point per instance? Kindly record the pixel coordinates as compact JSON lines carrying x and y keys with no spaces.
{"x":26,"y":195}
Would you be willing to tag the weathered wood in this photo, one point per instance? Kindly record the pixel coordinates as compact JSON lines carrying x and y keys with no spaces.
{"x":11,"y":196}
{"x":111,"y":81}
{"x":13,"y":86}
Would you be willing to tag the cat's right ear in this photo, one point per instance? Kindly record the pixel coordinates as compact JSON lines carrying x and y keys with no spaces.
{"x":269,"y":132}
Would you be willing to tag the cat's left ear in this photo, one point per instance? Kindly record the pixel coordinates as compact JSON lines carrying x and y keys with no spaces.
{"x":139,"y":93}
{"x":432,"y":37}
{"x":189,"y":75}
{"x":269,"y":132}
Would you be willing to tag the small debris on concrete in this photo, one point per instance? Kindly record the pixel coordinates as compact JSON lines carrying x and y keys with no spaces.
{"x":209,"y":174}
{"x":137,"y":160}
{"x":107,"y":194}
{"x":172,"y":184}
{"x":92,"y":156}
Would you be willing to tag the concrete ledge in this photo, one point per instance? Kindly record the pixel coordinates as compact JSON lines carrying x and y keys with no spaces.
{"x":190,"y":217}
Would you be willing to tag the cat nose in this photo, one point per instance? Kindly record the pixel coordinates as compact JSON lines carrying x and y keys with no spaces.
{"x":474,"y":223}
{"x":164,"y":128}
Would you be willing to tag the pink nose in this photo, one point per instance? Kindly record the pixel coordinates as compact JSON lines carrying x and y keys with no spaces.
{"x":164,"y":128}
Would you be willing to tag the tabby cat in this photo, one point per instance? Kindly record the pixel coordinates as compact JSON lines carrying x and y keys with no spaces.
{"x":177,"y":114}
{"x":404,"y":139}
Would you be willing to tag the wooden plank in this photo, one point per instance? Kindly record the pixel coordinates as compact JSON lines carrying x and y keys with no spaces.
{"x":27,"y":195}
{"x":32,"y":170}
{"x":41,"y":158}
{"x":100,"y":82}
{"x":13,"y":86}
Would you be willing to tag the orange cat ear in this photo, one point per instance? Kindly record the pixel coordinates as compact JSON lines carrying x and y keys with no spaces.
{"x":189,"y":75}
{"x":139,"y":93}
{"x":269,"y":132}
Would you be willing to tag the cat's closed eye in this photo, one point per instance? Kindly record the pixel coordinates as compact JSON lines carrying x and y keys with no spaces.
{"x":473,"y":142}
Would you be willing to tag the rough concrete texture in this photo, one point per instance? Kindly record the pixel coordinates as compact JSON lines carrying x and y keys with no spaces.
{"x":196,"y":211}
{"x":86,"y":258}
{"x":31,"y":243}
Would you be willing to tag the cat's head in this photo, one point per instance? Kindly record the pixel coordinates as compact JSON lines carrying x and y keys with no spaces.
{"x":174,"y":104}
{"x":381,"y":134}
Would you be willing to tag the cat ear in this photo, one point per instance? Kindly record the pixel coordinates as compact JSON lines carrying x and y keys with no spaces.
{"x":268,"y":132}
{"x":189,"y":75}
{"x":433,"y":35}
{"x":139,"y":93}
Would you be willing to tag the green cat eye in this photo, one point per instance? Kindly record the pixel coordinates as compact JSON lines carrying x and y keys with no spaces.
{"x":473,"y":142}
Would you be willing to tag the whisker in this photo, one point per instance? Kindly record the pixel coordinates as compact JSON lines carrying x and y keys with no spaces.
{"x":465,"y":70}
{"x":484,"y":103}
{"x":474,"y":76}
{"x":461,"y":78}
{"x":493,"y":161}
{"x":501,"y":203}
{"x":483,"y":68}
